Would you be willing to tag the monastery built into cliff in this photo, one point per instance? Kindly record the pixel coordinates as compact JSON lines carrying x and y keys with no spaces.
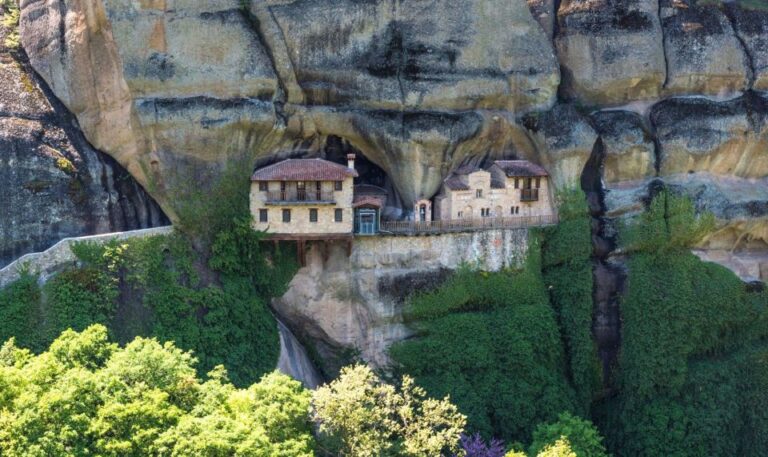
{"x":316,"y":199}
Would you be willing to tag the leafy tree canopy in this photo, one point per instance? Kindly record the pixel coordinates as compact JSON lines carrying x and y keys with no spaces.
{"x":362,"y":416}
{"x":87,"y":396}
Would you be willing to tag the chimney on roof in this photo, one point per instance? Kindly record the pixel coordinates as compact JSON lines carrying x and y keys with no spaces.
{"x":351,"y":161}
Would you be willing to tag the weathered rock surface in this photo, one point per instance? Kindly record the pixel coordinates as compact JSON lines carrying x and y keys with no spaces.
{"x":54,"y":183}
{"x":565,"y":140}
{"x":282,"y":74}
{"x":723,"y":138}
{"x":448,"y":54}
{"x":544,"y":13}
{"x":704,"y":55}
{"x":628,"y":146}
{"x":611,"y":51}
{"x":355,"y":303}
{"x":751,"y":26}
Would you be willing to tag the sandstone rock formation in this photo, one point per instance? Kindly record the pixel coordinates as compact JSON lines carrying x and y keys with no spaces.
{"x":565,"y":140}
{"x":654,"y":93}
{"x":704,"y":55}
{"x":727,"y":138}
{"x":751,"y":28}
{"x":278,"y":74}
{"x":629,"y":147}
{"x":54,"y":183}
{"x":611,"y":51}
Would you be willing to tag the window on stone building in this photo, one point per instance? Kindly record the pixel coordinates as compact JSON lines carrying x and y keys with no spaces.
{"x":538,"y":182}
{"x":337,"y":185}
{"x":286,"y":215}
{"x":263,"y":215}
{"x":312,"y":215}
{"x":479,"y":193}
{"x":263,"y":186}
{"x":461,"y":214}
{"x":338,"y":215}
{"x":517,"y":183}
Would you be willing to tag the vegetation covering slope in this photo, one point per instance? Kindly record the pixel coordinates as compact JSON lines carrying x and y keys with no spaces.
{"x":494,"y":341}
{"x":155,"y":287}
{"x":694,"y":363}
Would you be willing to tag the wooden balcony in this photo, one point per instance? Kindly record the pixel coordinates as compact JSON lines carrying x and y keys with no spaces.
{"x":529,"y":195}
{"x":300,"y":197}
{"x":464,"y":225}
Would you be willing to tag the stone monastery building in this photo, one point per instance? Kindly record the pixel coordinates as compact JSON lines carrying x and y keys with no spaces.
{"x":315,"y":199}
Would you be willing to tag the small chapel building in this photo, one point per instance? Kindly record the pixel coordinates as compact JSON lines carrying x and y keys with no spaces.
{"x":506,"y":189}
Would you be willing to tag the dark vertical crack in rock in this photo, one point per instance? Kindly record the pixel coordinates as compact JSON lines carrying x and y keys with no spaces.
{"x":608,"y":275}
{"x":751,"y":72}
{"x":663,"y":46}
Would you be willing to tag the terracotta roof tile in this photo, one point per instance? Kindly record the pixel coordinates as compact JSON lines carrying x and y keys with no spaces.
{"x":521,"y":168}
{"x":303,"y":170}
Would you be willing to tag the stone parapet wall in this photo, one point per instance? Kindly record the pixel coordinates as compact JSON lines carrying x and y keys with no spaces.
{"x":489,"y":250}
{"x":51,"y":260}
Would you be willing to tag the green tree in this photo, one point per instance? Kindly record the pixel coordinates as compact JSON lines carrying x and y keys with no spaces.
{"x":560,"y":448}
{"x":364,"y":417}
{"x":86,"y":396}
{"x":582,"y":435}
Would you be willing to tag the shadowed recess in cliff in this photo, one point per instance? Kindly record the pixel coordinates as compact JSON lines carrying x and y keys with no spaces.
{"x":55,"y":183}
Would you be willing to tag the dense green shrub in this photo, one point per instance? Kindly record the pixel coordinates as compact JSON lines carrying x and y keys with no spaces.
{"x":491,"y":342}
{"x":20,"y":312}
{"x":692,"y":369}
{"x":582,"y":435}
{"x":567,"y":270}
{"x":157,"y":286}
{"x":77,"y":298}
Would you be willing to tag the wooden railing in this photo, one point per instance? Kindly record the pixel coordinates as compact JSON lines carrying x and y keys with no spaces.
{"x":529,"y":195}
{"x":300,"y":196}
{"x":465,"y":225}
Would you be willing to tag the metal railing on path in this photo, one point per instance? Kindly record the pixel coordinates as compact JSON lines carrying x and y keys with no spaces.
{"x":465,"y":225}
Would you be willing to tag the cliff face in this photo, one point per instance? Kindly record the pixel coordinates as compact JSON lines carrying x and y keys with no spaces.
{"x":347,"y":303}
{"x":628,"y":95}
{"x":54,"y":183}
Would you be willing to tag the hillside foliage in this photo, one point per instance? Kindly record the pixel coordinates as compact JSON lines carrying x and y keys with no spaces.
{"x":692,"y":369}
{"x":494,"y":341}
{"x":155,"y":287}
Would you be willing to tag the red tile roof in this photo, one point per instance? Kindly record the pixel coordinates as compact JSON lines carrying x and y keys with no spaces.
{"x":303,"y":170}
{"x":522,"y":168}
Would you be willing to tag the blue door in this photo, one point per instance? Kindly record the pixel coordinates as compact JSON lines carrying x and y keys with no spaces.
{"x":366,"y":222}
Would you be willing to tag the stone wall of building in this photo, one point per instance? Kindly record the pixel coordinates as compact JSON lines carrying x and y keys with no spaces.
{"x":354,"y":303}
{"x":300,"y":223}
